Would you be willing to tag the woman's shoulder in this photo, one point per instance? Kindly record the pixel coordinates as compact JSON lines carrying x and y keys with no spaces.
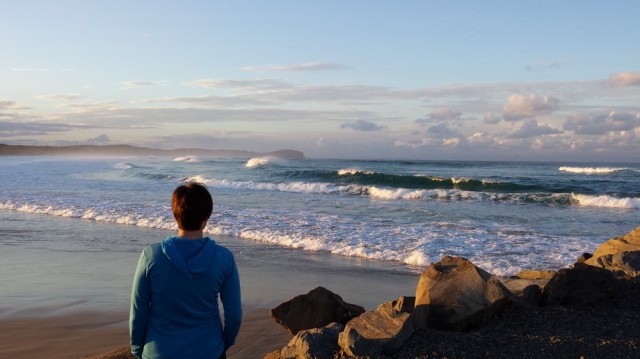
{"x":152,"y":250}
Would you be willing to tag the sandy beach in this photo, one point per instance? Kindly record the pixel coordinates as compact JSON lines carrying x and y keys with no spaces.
{"x":91,"y":334}
{"x":60,"y":303}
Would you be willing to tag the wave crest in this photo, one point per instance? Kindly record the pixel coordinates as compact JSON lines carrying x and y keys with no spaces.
{"x":590,"y":170}
{"x":352,"y":171}
{"x":188,"y":159}
{"x":259,"y":161}
{"x":606,"y":201}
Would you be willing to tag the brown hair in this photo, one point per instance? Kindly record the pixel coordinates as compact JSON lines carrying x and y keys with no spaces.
{"x":192,"y":205}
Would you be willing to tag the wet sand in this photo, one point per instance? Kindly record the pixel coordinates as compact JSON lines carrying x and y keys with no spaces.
{"x":92,"y":334}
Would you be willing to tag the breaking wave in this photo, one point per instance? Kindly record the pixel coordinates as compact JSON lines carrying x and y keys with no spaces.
{"x":188,"y":159}
{"x":591,"y":170}
{"x":606,"y":201}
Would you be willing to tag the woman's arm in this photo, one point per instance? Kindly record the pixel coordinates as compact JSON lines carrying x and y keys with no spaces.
{"x":232,"y":303}
{"x":140,"y":298}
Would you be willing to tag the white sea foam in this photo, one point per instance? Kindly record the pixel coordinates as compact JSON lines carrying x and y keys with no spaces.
{"x":188,"y":159}
{"x":383,"y":193}
{"x":123,"y":166}
{"x":197,"y":178}
{"x":590,"y":170}
{"x":352,"y":171}
{"x":107,"y":215}
{"x":294,"y":187}
{"x":411,"y":194}
{"x":606,"y":201}
{"x":414,"y":245}
{"x":456,"y":180}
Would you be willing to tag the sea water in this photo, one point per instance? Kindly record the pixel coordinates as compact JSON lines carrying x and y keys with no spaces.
{"x":503,"y":216}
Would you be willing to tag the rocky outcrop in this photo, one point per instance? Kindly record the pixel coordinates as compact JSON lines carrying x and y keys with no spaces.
{"x":619,"y":254}
{"x":628,"y":263}
{"x":626,"y":243}
{"x":581,"y":285}
{"x":317,"y":343}
{"x":454,"y":294}
{"x":381,"y":332}
{"x":315,"y":309}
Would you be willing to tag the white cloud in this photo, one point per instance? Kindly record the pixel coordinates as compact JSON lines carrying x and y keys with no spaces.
{"x":522,"y":106}
{"x":598,"y":124}
{"x":625,"y":79}
{"x":250,"y":84}
{"x":363,"y":125}
{"x":312,"y":66}
{"x":60,"y":97}
{"x":127,"y":85}
{"x":531,"y":128}
{"x":28,"y":69}
{"x":452,"y":141}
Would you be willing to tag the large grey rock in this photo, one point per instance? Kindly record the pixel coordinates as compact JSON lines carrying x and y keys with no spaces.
{"x":381,"y":332}
{"x":583,"y":284}
{"x":454,"y":294}
{"x":317,"y":343}
{"x":315,"y":309}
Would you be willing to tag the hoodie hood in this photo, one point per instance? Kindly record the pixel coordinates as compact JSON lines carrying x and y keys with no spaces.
{"x":190,"y":257}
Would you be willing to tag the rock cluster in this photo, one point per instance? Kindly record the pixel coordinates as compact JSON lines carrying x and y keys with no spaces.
{"x":452,"y":295}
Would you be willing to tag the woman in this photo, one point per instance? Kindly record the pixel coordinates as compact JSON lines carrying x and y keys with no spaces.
{"x":174,"y":300}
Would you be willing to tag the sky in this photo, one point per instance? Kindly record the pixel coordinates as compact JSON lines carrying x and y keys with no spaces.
{"x":430,"y":80}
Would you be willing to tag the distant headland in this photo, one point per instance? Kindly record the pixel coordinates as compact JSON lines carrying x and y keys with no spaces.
{"x":128,"y":150}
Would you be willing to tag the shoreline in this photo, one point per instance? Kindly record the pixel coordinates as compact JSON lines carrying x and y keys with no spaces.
{"x":60,"y":302}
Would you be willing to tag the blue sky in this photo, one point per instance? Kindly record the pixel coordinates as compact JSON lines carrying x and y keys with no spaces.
{"x":490,"y":80}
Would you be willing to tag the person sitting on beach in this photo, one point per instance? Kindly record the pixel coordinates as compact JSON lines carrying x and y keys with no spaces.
{"x":174,"y":300}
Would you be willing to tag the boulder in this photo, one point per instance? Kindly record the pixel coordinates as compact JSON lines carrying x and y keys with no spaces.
{"x":315,"y":309}
{"x":317,"y":343}
{"x":583,"y":284}
{"x":454,"y":294}
{"x":381,"y":332}
{"x":619,"y":254}
{"x":626,"y":243}
{"x":627,"y":262}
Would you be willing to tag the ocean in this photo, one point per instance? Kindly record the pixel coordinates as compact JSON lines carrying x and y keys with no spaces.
{"x":503,"y":216}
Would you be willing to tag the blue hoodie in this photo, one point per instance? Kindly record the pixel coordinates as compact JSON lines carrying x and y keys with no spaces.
{"x":174,"y":300}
